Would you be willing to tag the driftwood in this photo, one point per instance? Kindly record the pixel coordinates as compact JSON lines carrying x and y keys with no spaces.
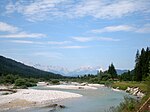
{"x":145,"y":106}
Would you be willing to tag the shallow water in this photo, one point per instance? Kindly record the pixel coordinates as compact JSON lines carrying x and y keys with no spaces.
{"x":99,"y":100}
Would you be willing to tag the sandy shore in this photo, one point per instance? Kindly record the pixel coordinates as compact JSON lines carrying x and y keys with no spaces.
{"x":71,"y":87}
{"x":30,"y":97}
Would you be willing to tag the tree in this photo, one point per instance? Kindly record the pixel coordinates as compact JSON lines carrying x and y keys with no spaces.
{"x":112,"y":71}
{"x":127,"y":76}
{"x":138,"y":76}
{"x":142,"y":64}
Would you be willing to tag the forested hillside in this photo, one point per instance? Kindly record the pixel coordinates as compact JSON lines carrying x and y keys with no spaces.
{"x":9,"y":66}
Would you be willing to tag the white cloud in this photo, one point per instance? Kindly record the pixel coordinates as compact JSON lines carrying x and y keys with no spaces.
{"x":42,"y":9}
{"x":82,"y":39}
{"x":87,"y":39}
{"x":36,"y":9}
{"x":138,"y":29}
{"x":36,"y":42}
{"x":26,"y":42}
{"x":15,"y":32}
{"x":58,"y":43}
{"x":22,"y":41}
{"x":108,"y":39}
{"x":4,"y":27}
{"x":144,"y":29}
{"x":74,"y":47}
{"x":23,"y":35}
{"x":114,"y":29}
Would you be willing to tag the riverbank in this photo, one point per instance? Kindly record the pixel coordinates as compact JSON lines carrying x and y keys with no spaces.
{"x":135,"y":88}
{"x":28,"y":97}
{"x":139,"y":89}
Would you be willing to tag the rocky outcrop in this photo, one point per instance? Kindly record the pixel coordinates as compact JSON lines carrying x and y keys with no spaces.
{"x":135,"y":92}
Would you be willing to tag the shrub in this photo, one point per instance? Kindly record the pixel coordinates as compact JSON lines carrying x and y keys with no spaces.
{"x":20,"y":82}
{"x":23,"y":84}
{"x":129,"y":105}
{"x":56,"y":82}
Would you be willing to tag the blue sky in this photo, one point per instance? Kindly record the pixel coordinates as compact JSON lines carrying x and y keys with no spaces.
{"x":74,"y":33}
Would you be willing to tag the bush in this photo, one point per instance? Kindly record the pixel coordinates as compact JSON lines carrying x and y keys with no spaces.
{"x":129,"y":105}
{"x":20,"y":82}
{"x":24,"y":83}
{"x":56,"y":82}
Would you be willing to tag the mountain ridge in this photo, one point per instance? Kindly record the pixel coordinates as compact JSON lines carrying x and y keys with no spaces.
{"x":10,"y":66}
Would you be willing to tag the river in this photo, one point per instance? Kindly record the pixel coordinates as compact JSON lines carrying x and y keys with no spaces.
{"x":99,"y":100}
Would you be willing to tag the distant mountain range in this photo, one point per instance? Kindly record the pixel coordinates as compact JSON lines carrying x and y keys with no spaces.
{"x":9,"y":66}
{"x":79,"y":71}
{"x":66,"y":72}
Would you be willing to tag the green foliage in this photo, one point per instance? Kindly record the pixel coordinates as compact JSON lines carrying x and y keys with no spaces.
{"x":94,"y":80}
{"x":129,"y":105}
{"x":24,"y":83}
{"x":55,"y":82}
{"x":104,"y":76}
{"x":8,"y":79}
{"x":142,"y":64}
{"x":9,"y":66}
{"x":123,"y":85}
{"x":127,"y":76}
{"x":112,"y":71}
{"x":20,"y":82}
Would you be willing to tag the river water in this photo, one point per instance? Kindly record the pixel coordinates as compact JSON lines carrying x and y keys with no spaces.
{"x":99,"y":100}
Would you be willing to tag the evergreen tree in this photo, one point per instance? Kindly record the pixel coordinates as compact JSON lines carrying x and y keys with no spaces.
{"x":142,"y":64}
{"x":138,"y":75}
{"x":112,"y":71}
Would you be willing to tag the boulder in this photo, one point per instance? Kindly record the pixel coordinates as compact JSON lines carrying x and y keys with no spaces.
{"x":140,"y":94}
{"x":61,"y":106}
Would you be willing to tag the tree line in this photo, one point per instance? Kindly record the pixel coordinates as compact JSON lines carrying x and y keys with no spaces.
{"x":140,"y":72}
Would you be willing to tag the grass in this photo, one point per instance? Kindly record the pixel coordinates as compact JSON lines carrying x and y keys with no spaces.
{"x":123,"y":85}
{"x":129,"y":105}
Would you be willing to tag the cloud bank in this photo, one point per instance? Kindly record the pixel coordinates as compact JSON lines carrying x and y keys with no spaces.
{"x":38,"y":10}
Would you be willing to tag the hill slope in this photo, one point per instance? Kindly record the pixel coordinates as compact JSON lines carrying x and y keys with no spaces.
{"x":9,"y":66}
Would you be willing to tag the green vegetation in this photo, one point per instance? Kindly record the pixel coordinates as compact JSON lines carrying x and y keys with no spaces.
{"x":55,"y":82}
{"x":112,"y":71}
{"x":129,"y":105}
{"x":142,"y":64}
{"x":9,"y":66}
{"x":17,"y":81}
{"x":123,"y":85}
{"x":24,"y":83}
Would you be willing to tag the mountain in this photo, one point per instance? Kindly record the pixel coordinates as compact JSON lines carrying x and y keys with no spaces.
{"x":62,"y":70}
{"x":54,"y":69}
{"x":79,"y":71}
{"x":85,"y":70}
{"x":9,"y":66}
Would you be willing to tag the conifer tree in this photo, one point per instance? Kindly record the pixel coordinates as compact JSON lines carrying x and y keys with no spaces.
{"x":112,"y":71}
{"x":142,"y":64}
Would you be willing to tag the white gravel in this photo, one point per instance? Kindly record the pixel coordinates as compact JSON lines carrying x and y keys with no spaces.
{"x":38,"y":96}
{"x":96,"y":85}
